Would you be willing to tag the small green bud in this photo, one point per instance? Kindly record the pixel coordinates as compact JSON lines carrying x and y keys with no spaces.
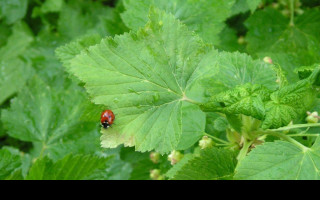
{"x":286,"y":12}
{"x":155,"y":157}
{"x":299,"y":11}
{"x":275,"y":5}
{"x":206,"y":142}
{"x":155,"y":174}
{"x":241,"y":40}
{"x":268,"y":60}
{"x":312,"y":118}
{"x":175,"y":157}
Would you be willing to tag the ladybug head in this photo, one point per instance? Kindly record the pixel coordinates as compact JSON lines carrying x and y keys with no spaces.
{"x":105,"y":124}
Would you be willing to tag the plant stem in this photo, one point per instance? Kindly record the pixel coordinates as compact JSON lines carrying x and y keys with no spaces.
{"x":292,"y":12}
{"x":303,"y":135}
{"x":191,"y":101}
{"x":243,"y":152}
{"x":289,"y":139}
{"x":215,"y":138}
{"x":221,"y":145}
{"x":295,"y":127}
{"x":44,"y":147}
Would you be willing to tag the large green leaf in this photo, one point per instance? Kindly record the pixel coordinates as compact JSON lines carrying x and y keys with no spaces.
{"x":69,"y":168}
{"x":145,"y":78}
{"x":281,"y":161}
{"x":290,"y":46}
{"x":212,"y":164}
{"x":205,"y":17}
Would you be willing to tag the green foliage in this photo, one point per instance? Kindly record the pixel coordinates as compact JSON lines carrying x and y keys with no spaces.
{"x":247,"y":99}
{"x":291,"y":46}
{"x":280,"y":160}
{"x":242,"y":6}
{"x":212,"y":164}
{"x":13,"y":66}
{"x":276,"y":109}
{"x":151,"y":82}
{"x":234,"y":69}
{"x":12,"y":11}
{"x":51,"y":118}
{"x":69,"y":168}
{"x":204,"y":17}
{"x":200,"y":89}
{"x":288,"y":103}
{"x":8,"y":164}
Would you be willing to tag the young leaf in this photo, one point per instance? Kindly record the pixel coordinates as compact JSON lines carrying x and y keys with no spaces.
{"x":247,"y":99}
{"x":145,"y":78}
{"x":305,"y":71}
{"x":205,"y":17}
{"x":280,"y":161}
{"x":288,"y":103}
{"x":212,"y":164}
{"x":69,"y":168}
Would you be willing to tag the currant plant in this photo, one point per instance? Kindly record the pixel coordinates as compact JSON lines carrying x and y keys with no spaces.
{"x":198,"y":90}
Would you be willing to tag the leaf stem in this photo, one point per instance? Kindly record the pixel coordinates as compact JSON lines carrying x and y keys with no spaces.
{"x":243,"y":152}
{"x":292,"y":2}
{"x":295,"y":127}
{"x":44,"y":147}
{"x":221,"y":145}
{"x":303,"y":135}
{"x":289,"y":139}
{"x":191,"y":101}
{"x":215,"y":138}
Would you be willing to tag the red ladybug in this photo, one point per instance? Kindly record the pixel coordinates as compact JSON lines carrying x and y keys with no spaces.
{"x":107,"y":118}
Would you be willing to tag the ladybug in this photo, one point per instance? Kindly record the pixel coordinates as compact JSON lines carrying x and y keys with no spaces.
{"x":107,"y":118}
